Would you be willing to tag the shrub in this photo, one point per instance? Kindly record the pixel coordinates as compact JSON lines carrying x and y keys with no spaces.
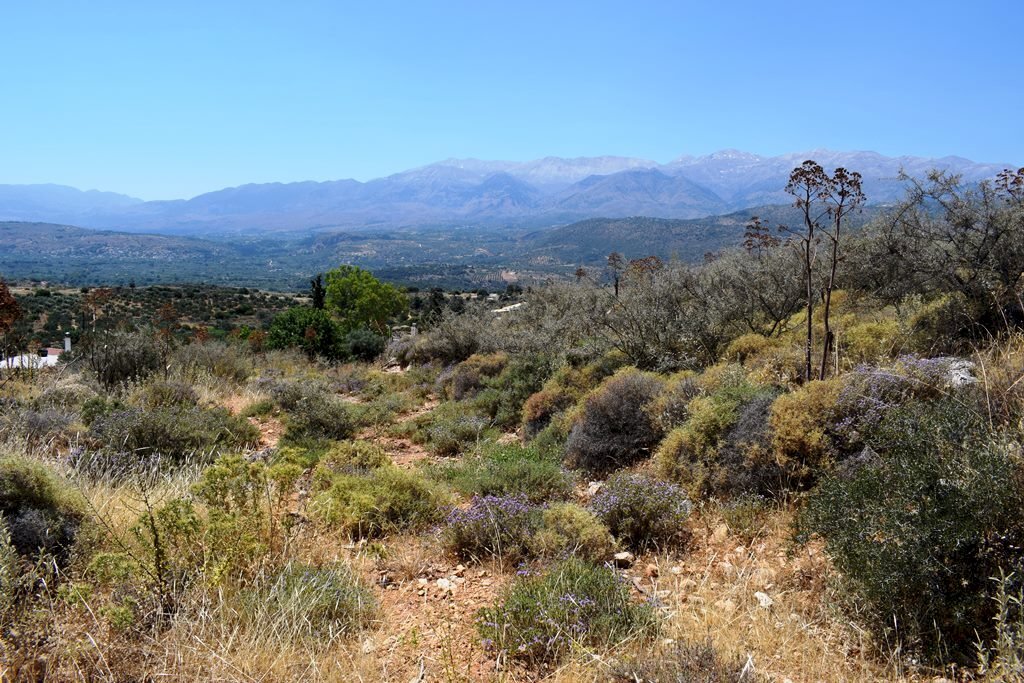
{"x":236,"y":518}
{"x":551,"y":441}
{"x":614,"y":429}
{"x":350,"y":457}
{"x":220,"y":360}
{"x":108,"y":569}
{"x":503,"y":396}
{"x":380,"y":411}
{"x":39,"y":426}
{"x":747,"y":346}
{"x":724,"y":449}
{"x":722,"y":445}
{"x":161,"y":394}
{"x":779,"y":366}
{"x":98,"y":407}
{"x":9,"y":573}
{"x":541,"y":407}
{"x":319,"y":417}
{"x":868,"y":394}
{"x":942,"y":325}
{"x":687,"y":454}
{"x":602,"y":367}
{"x":744,"y":463}
{"x":684,"y":662}
{"x":380,"y":502}
{"x":568,"y":529}
{"x":746,"y":516}
{"x":321,"y":603}
{"x":869,"y":342}
{"x":454,"y":338}
{"x":175,"y":432}
{"x":451,"y":430}
{"x":541,"y":619}
{"x":800,"y":424}
{"x":670,"y":409}
{"x":288,"y":395}
{"x":466,"y":379}
{"x":65,"y":396}
{"x":920,"y":528}
{"x":119,"y":357}
{"x":41,"y":512}
{"x":506,"y":470}
{"x":499,"y":527}
{"x":1002,"y":658}
{"x":642,"y":512}
{"x":363,"y":345}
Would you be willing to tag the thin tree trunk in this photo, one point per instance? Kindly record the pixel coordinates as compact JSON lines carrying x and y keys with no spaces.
{"x":810,"y":314}
{"x":828,"y":307}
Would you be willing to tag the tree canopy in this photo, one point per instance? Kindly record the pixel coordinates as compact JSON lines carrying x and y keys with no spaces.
{"x":359,"y":300}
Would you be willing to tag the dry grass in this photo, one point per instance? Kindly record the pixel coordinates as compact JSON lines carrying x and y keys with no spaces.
{"x":710,"y":593}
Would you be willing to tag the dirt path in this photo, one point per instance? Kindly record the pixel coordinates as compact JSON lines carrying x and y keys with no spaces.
{"x":429,"y":622}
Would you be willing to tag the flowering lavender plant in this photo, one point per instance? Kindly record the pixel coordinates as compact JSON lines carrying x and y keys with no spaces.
{"x":870,"y":393}
{"x":501,"y":527}
{"x":575,"y":604}
{"x":642,"y":512}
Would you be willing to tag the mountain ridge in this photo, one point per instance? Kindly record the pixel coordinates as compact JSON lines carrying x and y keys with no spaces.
{"x":489,"y":194}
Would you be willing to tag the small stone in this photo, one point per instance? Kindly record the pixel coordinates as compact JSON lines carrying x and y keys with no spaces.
{"x":422,"y":582}
{"x":486,"y":582}
{"x":624,"y":559}
{"x":676,"y":570}
{"x":726,"y":605}
{"x":720,"y":533}
{"x":368,"y":646}
{"x":593,"y":487}
{"x":763,"y":576}
{"x":460,"y":570}
{"x":458,"y":580}
{"x":445,"y":585}
{"x":651,"y":570}
{"x":764,"y":600}
{"x":668,"y":641}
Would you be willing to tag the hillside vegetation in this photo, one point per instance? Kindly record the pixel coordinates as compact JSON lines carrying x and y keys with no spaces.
{"x":798,"y":460}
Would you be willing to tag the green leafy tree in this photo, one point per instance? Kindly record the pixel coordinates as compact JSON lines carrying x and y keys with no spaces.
{"x":310,"y":329}
{"x":360,"y":300}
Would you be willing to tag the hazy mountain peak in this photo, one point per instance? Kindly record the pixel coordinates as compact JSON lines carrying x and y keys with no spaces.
{"x":541,"y":191}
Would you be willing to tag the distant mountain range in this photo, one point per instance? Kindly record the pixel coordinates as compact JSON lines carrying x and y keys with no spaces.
{"x":541,"y":193}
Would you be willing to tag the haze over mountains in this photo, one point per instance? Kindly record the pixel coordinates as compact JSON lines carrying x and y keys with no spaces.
{"x":536,"y":193}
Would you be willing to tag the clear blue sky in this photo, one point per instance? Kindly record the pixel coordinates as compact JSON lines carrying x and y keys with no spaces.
{"x":165,"y":100}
